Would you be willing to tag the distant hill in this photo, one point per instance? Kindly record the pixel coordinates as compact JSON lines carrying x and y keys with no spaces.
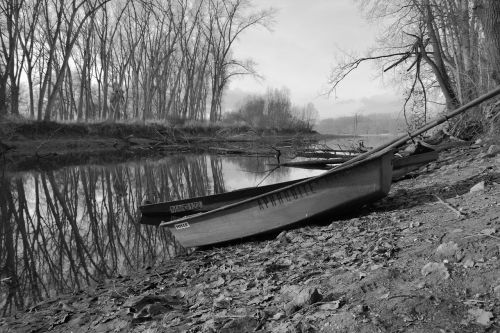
{"x":376,"y":123}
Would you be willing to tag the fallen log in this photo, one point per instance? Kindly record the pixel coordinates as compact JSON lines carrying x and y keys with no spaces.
{"x":313,"y":163}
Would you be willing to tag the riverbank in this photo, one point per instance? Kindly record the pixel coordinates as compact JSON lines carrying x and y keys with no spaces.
{"x":45,"y":145}
{"x":424,"y":259}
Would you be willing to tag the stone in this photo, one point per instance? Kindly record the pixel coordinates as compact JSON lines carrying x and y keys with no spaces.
{"x":283,"y":238}
{"x":307,"y":296}
{"x":279,"y":315}
{"x":290,"y":308}
{"x":438,"y":269}
{"x":493,"y":150}
{"x":244,"y":324}
{"x":447,"y":251}
{"x":496,"y":291}
{"x":468,"y":263}
{"x":478,"y":187}
{"x":481,"y":316}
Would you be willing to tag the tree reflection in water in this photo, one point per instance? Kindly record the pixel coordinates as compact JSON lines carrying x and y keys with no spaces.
{"x":63,"y":230}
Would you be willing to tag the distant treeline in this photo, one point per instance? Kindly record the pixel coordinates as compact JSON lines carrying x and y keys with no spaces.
{"x":118,"y":60}
{"x":382,"y":123}
{"x":273,"y":110}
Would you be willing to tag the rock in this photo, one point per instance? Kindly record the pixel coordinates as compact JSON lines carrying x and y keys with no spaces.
{"x":478,"y":187}
{"x":359,"y":309}
{"x":481,"y":317}
{"x":496,"y":291}
{"x":283,"y":238}
{"x":279,"y":315}
{"x":244,"y":324}
{"x":330,"y":306}
{"x":222,"y":302}
{"x":488,"y":231}
{"x":290,"y":308}
{"x":478,"y":142}
{"x":135,"y":304}
{"x":65,"y":306}
{"x":493,"y":150}
{"x":435,"y":268}
{"x":468,"y":263}
{"x":307,"y":296}
{"x":447,"y":251}
{"x":151,"y":310}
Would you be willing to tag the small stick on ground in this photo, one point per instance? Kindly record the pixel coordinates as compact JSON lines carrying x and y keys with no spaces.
{"x":450,"y":207}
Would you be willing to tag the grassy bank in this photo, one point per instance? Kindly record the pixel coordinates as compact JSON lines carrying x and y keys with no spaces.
{"x":25,"y":145}
{"x":39,"y":130}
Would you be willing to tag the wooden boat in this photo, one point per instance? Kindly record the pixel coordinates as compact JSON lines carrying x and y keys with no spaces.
{"x":404,"y":165}
{"x":346,"y":186}
{"x":154,"y":214}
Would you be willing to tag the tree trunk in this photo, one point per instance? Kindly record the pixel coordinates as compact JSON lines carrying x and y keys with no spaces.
{"x":3,"y":98}
{"x":490,"y":19}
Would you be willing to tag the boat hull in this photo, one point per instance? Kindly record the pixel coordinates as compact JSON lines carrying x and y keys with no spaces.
{"x":352,"y":185}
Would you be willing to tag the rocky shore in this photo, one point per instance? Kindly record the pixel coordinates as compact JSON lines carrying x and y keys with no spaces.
{"x":424,"y":259}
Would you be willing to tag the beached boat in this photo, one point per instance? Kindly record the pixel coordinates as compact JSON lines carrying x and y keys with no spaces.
{"x":404,"y":165}
{"x":155,"y":213}
{"x":344,"y":187}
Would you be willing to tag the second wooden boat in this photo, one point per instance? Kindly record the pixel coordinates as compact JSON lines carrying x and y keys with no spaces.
{"x":337,"y":189}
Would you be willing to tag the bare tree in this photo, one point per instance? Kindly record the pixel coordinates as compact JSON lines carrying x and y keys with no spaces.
{"x":11,"y":60}
{"x":226,"y":22}
{"x":434,"y":44}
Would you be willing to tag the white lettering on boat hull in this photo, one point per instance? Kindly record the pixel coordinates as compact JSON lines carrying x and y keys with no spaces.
{"x":183,"y":225}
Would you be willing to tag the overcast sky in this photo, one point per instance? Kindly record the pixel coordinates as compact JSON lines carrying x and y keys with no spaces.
{"x":307,"y":38}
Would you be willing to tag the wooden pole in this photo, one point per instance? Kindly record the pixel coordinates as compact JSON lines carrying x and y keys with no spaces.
{"x":397,"y":142}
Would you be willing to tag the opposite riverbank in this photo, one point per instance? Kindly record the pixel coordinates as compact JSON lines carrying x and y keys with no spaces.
{"x":424,"y":259}
{"x":27,"y":145}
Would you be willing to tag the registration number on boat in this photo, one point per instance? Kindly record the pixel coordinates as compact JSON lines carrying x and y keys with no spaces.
{"x":182,"y":225}
{"x":186,"y":206}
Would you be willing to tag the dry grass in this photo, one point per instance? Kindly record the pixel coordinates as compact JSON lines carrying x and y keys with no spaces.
{"x":24,"y":129}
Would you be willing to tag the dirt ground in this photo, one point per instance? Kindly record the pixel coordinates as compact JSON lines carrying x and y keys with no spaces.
{"x":424,"y":259}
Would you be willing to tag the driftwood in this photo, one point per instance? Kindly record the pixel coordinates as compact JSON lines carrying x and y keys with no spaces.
{"x":313,"y":163}
{"x":325,"y":154}
{"x":234,"y":151}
